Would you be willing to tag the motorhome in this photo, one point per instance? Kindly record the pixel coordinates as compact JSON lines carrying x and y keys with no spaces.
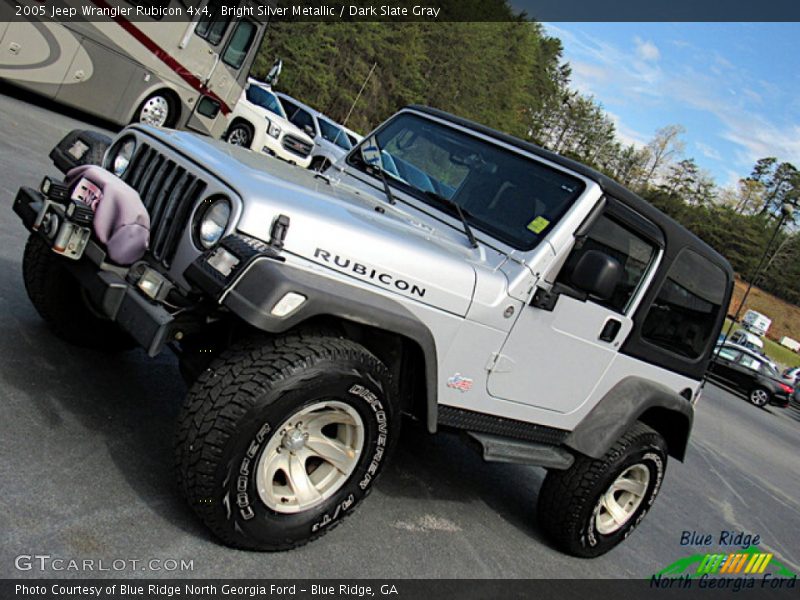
{"x":185,"y":73}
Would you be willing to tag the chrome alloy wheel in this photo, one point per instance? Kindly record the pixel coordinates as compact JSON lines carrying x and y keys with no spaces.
{"x":759,"y":397}
{"x":622,"y":499}
{"x":239,"y":136}
{"x":310,"y":457}
{"x":155,"y":111}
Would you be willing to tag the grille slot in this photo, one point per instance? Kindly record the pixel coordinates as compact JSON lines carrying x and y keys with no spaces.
{"x":296,"y":146}
{"x":169,"y":192}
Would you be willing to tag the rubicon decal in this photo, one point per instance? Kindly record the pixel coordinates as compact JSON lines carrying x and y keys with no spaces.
{"x":369,"y":273}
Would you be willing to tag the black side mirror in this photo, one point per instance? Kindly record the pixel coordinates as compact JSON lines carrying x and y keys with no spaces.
{"x":597,"y":274}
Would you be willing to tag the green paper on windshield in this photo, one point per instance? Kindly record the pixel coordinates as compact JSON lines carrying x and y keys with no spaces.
{"x":538,"y":225}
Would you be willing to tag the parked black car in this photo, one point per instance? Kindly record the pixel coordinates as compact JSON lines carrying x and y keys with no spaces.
{"x":750,"y":374}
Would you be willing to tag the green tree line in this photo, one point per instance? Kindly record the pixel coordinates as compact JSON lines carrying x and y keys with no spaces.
{"x":510,"y":75}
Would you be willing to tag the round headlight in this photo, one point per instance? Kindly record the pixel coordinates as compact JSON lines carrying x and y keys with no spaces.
{"x":213,"y":222}
{"x":122,"y":157}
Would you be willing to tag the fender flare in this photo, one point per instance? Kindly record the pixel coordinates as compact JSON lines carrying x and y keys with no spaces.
{"x":266,"y":281}
{"x":634,"y":399}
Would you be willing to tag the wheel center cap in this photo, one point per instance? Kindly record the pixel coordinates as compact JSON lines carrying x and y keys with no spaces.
{"x":293,"y":440}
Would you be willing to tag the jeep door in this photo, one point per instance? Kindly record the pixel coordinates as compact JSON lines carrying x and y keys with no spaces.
{"x":556,"y":354}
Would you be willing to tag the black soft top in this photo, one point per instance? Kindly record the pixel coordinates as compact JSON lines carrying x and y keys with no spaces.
{"x":677,"y":238}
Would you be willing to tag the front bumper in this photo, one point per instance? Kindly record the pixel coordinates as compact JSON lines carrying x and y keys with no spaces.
{"x":114,"y":291}
{"x":107,"y":286}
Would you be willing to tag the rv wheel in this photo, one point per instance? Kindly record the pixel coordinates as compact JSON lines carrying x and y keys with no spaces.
{"x":158,"y":110}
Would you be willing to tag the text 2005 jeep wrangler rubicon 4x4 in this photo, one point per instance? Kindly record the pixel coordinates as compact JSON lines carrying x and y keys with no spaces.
{"x":441,"y":270}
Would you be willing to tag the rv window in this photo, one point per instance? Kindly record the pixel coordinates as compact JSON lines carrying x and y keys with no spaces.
{"x":240,"y":43}
{"x":211,"y":27}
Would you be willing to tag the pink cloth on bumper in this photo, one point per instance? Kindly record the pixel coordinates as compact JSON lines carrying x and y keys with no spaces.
{"x":121,"y":221}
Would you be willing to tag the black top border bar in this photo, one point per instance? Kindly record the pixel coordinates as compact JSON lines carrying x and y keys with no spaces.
{"x":394,"y":11}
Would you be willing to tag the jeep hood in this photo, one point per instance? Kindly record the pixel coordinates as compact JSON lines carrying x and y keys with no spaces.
{"x":337,"y":227}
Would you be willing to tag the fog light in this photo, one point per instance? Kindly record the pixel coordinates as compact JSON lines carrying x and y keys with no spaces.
{"x":223,"y":261}
{"x":151,"y":283}
{"x":287,"y":304}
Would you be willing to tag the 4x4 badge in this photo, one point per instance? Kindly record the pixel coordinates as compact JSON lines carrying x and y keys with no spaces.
{"x":462,"y":384}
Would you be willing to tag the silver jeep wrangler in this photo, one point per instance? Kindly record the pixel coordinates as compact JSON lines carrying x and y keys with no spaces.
{"x":441,"y":270}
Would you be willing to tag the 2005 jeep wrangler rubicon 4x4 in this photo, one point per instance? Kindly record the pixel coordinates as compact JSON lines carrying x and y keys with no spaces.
{"x":441,"y":270}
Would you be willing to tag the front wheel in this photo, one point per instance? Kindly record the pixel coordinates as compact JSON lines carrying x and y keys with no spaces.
{"x":279,"y":440}
{"x":594,"y":505}
{"x":62,"y":303}
{"x":759,"y":397}
{"x":240,"y":135}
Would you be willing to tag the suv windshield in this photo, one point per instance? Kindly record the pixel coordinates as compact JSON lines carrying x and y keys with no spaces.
{"x":334,"y":134}
{"x":512,"y":198}
{"x":261,"y":97}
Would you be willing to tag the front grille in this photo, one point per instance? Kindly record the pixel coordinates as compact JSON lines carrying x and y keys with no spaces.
{"x":296,"y":146}
{"x":169,"y":192}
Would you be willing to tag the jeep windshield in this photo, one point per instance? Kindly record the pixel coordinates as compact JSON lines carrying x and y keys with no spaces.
{"x":504,"y":194}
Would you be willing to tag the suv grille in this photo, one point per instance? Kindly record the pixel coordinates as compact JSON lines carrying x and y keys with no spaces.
{"x":296,"y":145}
{"x":169,"y":192}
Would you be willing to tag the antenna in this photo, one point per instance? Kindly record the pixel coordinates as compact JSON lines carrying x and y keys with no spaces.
{"x":363,"y":85}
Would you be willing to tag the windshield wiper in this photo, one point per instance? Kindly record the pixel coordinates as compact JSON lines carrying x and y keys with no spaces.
{"x":379,"y":168}
{"x":462,"y":214}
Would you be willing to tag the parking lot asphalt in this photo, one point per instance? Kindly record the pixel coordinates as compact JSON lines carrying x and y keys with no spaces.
{"x":86,"y":469}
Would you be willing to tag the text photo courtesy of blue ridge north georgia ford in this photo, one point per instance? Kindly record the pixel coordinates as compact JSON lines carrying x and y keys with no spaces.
{"x":512,"y":293}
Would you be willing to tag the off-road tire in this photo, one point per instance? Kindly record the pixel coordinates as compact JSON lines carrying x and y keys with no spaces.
{"x":240,"y":403}
{"x":569,"y":500}
{"x":60,"y":301}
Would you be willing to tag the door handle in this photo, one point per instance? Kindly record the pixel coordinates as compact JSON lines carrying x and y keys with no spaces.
{"x":610,"y":330}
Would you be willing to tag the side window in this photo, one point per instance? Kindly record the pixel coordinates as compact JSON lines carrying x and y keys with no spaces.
{"x":633,"y":252}
{"x":749,"y":362}
{"x":729,"y":354}
{"x":211,"y":26}
{"x":302,"y":119}
{"x":682,"y":317}
{"x":239,"y":45}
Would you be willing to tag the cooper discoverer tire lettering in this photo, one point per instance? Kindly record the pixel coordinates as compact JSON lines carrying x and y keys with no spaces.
{"x":280,"y":439}
{"x":594,"y":505}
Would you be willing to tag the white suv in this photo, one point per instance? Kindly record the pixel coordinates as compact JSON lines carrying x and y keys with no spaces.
{"x":331,"y":142}
{"x":259,"y":122}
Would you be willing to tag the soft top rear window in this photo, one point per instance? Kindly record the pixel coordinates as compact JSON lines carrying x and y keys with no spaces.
{"x":683,"y":315}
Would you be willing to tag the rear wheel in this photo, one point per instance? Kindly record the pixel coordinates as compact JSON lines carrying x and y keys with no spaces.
{"x":594,"y":505}
{"x":62,"y":303}
{"x":279,"y":440}
{"x":759,"y":397}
